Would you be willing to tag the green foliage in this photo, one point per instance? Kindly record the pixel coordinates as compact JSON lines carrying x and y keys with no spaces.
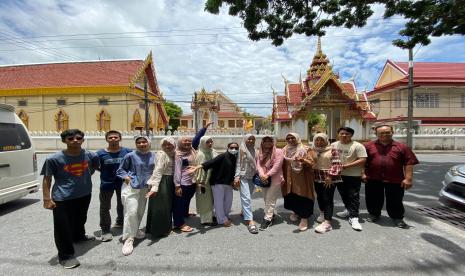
{"x":280,"y":19}
{"x":316,"y":119}
{"x":174,"y":112}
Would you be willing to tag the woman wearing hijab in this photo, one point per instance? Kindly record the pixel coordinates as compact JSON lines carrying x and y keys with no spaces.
{"x":327,"y":169}
{"x":298,"y":189}
{"x":269,"y":165}
{"x":159,"y":214}
{"x":135,"y":170}
{"x":184,"y":182}
{"x":246,"y":168}
{"x":222,"y":168}
{"x":203,"y":194}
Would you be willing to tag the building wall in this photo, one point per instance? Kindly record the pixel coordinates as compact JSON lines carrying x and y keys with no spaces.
{"x":41,"y":110}
{"x":449,"y":103}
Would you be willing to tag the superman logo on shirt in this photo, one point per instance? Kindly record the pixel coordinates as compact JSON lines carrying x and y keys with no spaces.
{"x":76,"y":169}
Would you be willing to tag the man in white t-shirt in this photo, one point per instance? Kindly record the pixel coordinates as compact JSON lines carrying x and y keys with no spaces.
{"x":353,"y":157}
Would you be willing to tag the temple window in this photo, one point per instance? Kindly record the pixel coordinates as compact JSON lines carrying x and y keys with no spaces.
{"x":102,"y":101}
{"x":427,"y":100}
{"x":61,"y":102}
{"x":142,"y":105}
{"x":397,"y":99}
{"x":221,"y":123}
{"x":204,"y":122}
{"x":61,"y":120}
{"x":376,"y":105}
{"x":231,"y":123}
{"x":24,"y":117}
{"x":239,"y":123}
{"x":22,"y":102}
{"x":103,"y":120}
{"x":184,"y":123}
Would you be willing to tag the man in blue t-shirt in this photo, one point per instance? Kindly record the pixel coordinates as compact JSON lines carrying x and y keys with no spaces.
{"x":70,"y":197}
{"x":110,"y":159}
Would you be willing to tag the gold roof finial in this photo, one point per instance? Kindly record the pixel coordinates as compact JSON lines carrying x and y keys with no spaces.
{"x":318,"y":47}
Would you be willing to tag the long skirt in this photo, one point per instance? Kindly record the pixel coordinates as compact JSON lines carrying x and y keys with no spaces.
{"x":301,"y":206}
{"x":159,"y":214}
{"x":204,"y":203}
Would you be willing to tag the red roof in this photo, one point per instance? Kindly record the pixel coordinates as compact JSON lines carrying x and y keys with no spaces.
{"x":435,"y":70}
{"x":295,"y":93}
{"x":350,"y":87}
{"x":427,"y":73}
{"x":77,"y":74}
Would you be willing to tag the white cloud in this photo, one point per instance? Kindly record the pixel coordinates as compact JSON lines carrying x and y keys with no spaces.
{"x":194,"y":49}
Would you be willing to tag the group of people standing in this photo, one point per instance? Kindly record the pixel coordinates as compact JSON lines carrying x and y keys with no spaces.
{"x":190,"y":166}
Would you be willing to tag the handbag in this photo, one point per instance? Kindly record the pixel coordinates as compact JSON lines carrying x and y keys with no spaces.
{"x":257,"y":181}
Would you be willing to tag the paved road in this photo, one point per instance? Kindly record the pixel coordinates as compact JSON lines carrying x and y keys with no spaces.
{"x":427,"y":247}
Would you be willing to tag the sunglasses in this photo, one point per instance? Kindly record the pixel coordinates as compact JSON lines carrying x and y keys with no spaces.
{"x":78,"y":138}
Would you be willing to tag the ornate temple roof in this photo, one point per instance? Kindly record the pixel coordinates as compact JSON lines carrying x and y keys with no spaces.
{"x":298,"y":96}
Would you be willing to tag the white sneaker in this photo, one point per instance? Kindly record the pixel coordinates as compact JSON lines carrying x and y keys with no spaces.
{"x":323,"y":228}
{"x":128,"y":246}
{"x":355,"y":224}
{"x":320,"y":218}
{"x":343,"y":214}
{"x":140,"y":234}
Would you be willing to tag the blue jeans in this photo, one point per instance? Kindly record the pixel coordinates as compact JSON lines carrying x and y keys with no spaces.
{"x":246,"y":191}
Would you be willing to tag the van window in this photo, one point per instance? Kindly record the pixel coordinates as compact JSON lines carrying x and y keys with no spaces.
{"x":13,"y":137}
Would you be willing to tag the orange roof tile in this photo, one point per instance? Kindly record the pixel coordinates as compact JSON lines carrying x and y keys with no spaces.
{"x":295,"y":93}
{"x":76,"y":74}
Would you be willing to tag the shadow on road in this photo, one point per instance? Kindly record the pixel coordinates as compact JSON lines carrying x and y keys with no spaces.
{"x":16,"y":205}
{"x":454,"y":262}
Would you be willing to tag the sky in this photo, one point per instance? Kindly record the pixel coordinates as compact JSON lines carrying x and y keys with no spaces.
{"x":193,"y":49}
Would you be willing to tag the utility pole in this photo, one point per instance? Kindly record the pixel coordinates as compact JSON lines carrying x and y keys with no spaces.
{"x":146,"y":106}
{"x":410,"y":99}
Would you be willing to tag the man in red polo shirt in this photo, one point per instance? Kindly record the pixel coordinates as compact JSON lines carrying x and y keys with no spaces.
{"x":388,"y":170}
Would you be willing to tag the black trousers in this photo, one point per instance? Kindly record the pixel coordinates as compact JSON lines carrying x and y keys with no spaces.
{"x":69,"y":218}
{"x":181,"y":204}
{"x":349,"y":189}
{"x":374,"y":195}
{"x":300,"y":205}
{"x":105,"y":206}
{"x":325,"y":198}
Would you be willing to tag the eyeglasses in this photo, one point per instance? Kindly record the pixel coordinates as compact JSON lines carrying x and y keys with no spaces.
{"x":290,"y":138}
{"x":78,"y":138}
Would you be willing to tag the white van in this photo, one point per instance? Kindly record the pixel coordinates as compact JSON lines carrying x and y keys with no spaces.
{"x":18,"y":161}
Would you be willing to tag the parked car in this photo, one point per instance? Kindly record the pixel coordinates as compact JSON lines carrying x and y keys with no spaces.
{"x":18,"y":161}
{"x":454,"y":185}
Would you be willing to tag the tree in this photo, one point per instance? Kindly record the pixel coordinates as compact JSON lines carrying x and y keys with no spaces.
{"x":316,"y":119}
{"x":280,"y":19}
{"x":174,"y":112}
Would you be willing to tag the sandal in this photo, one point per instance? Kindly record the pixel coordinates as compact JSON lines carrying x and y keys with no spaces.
{"x":252,"y":229}
{"x":186,"y":228}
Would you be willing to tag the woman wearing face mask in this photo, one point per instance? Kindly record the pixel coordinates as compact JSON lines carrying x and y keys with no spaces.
{"x":222,"y":180}
{"x":298,"y":190}
{"x":184,"y":182}
{"x":269,"y":164}
{"x":246,"y":168}
{"x":203,"y":194}
{"x":327,"y":171}
{"x":159,"y":214}
{"x":135,"y":169}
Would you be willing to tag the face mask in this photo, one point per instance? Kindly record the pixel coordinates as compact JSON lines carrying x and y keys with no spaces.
{"x":233,"y":151}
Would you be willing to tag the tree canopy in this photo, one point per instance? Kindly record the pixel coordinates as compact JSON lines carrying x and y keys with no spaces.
{"x":280,"y":19}
{"x":174,"y":112}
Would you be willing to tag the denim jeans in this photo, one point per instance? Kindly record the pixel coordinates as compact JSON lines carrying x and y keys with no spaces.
{"x":246,"y":191}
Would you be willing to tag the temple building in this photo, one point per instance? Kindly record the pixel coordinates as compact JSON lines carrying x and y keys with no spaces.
{"x":438,"y":95}
{"x":90,"y":95}
{"x":216,"y":107}
{"x":321,"y":92}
